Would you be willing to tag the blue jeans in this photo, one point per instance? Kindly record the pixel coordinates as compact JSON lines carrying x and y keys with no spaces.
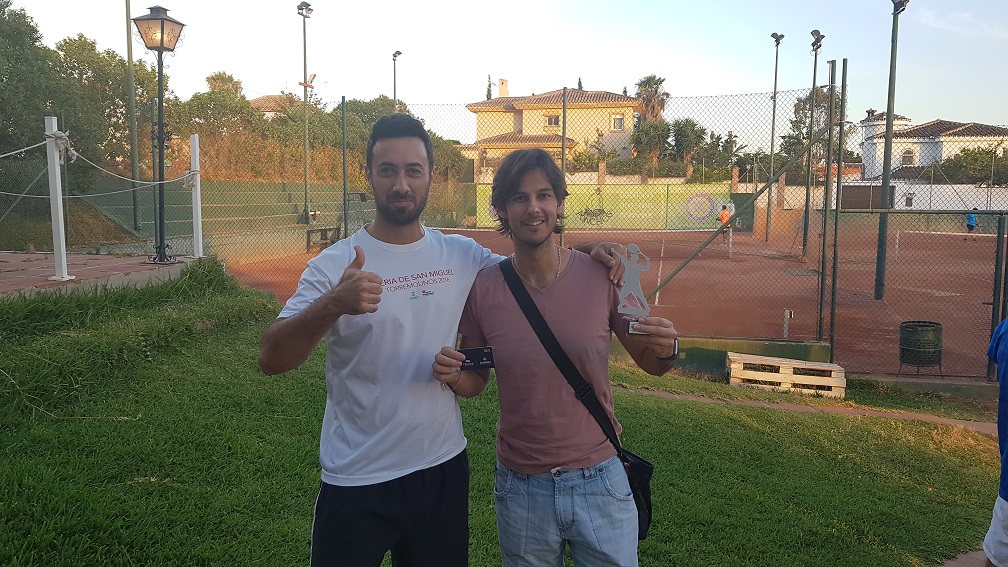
{"x":589,"y":509}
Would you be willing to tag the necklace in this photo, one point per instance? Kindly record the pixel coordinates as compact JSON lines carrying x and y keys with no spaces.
{"x":555,"y":276}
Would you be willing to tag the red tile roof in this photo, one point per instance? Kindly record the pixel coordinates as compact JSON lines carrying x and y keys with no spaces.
{"x":881,"y":117}
{"x":939,"y":128}
{"x":554,"y":99}
{"x":274,"y":103}
{"x":513,"y":140}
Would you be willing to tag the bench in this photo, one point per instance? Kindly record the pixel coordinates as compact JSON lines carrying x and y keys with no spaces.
{"x":786,"y":375}
{"x":321,"y":238}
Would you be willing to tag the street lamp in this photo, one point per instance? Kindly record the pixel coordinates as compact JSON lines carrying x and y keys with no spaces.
{"x":394,"y":98}
{"x":883,"y":233}
{"x":305,"y":11}
{"x":777,"y":37}
{"x":816,"y":44}
{"x":160,"y":33}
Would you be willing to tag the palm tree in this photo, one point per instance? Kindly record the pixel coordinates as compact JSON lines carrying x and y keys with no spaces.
{"x":687,"y":137}
{"x":221,"y":81}
{"x":653,"y":97}
{"x":651,"y":138}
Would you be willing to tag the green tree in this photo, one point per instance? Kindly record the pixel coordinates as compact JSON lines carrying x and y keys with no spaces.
{"x":580,"y":88}
{"x":588,"y":156}
{"x":793,"y":142}
{"x":651,"y":92}
{"x":448,"y":160}
{"x":978,"y":165}
{"x":687,"y":138}
{"x":489,"y":92}
{"x":650,"y":138}
{"x":218,"y":111}
{"x":97,"y":113}
{"x":221,"y":81}
{"x":29,"y":85}
{"x":651,"y":133}
{"x":361,"y":117}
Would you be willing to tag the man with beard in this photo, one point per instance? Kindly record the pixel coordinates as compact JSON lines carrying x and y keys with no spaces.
{"x":395,"y":473}
{"x":558,"y":480}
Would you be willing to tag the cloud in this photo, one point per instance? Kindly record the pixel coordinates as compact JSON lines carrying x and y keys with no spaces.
{"x":963,"y":23}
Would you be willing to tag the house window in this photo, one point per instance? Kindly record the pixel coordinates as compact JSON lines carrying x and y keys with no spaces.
{"x":552,"y":121}
{"x":617,"y":122}
{"x":907,"y":158}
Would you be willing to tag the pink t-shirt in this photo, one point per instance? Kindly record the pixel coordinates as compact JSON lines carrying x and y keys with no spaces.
{"x":542,"y":423}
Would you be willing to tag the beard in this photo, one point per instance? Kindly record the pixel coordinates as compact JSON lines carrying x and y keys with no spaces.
{"x":531,"y":242}
{"x":400,"y":216}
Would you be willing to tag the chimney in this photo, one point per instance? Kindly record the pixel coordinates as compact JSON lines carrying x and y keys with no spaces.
{"x":502,"y":88}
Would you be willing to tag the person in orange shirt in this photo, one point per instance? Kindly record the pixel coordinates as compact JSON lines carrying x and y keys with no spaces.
{"x":723,"y":217}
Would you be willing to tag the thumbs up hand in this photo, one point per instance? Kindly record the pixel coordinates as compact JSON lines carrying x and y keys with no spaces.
{"x":357,"y":291}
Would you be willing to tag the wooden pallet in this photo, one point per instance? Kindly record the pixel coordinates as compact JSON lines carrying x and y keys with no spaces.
{"x":786,"y":374}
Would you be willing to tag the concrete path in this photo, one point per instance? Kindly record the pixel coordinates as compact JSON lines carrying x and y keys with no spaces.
{"x":29,"y":273}
{"x":975,"y":559}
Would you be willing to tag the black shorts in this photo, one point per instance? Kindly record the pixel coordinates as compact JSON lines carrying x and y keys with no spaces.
{"x":422,"y":518}
{"x":970,"y":227}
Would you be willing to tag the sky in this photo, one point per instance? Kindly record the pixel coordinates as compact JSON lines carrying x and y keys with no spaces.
{"x":947,"y":62}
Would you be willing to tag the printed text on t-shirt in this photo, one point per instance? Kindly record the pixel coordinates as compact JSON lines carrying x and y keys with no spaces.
{"x":418,"y":279}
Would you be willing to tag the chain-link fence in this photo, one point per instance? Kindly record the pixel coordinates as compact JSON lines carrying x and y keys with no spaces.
{"x":650,"y":170}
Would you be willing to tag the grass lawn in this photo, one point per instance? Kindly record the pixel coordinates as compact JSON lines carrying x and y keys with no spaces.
{"x":139,"y":431}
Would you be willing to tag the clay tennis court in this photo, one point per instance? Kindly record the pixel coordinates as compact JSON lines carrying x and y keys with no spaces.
{"x":744,"y":293}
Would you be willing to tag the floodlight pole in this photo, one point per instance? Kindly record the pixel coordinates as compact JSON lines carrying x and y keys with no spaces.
{"x":816,"y":44}
{"x":883,"y":231}
{"x":131,"y":107}
{"x":395,"y":98}
{"x":305,"y":10}
{"x":773,"y":133}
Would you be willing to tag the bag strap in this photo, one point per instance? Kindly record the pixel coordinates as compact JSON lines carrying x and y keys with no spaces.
{"x":582,"y":389}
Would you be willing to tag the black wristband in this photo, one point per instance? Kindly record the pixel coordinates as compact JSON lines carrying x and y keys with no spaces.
{"x":675,"y":353}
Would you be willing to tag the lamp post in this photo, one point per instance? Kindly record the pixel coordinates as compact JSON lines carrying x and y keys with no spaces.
{"x":777,"y":37}
{"x":304,"y":10}
{"x":395,"y":99}
{"x":816,"y":44}
{"x":160,"y":33}
{"x":883,"y":232}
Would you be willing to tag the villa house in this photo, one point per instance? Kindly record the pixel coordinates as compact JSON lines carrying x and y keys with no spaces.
{"x":273,"y":105}
{"x":919,"y":146}
{"x":507,"y":123}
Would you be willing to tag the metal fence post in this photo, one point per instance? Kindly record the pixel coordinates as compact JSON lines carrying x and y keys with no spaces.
{"x":997,"y":308}
{"x":56,"y":202}
{"x":197,"y":201}
{"x":826,"y":197}
{"x":836,"y":209}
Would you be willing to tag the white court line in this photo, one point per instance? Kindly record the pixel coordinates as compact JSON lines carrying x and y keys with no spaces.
{"x":661,"y":265}
{"x":937,"y":233}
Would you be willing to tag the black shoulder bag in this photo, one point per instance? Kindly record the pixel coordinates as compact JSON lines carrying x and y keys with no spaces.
{"x":639,"y":471}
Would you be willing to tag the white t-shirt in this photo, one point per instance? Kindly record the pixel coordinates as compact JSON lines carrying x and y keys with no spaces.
{"x":385,"y":415}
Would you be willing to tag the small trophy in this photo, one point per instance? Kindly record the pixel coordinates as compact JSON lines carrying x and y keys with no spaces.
{"x":631,"y":297}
